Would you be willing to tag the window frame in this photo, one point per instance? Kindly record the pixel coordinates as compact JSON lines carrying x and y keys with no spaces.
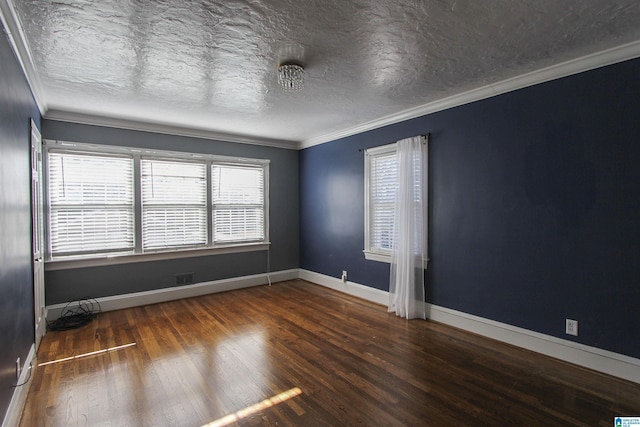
{"x":168,"y":207}
{"x":138,"y":255}
{"x":373,"y":253}
{"x":127,"y":208}
{"x":213,"y":206}
{"x":379,"y":254}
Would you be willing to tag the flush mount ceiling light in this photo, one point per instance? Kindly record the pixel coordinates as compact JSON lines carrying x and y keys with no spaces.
{"x":291,"y":77}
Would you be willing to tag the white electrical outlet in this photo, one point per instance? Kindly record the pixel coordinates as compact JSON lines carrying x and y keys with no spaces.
{"x":344,"y":276}
{"x":572,"y":327}
{"x":18,"y":370}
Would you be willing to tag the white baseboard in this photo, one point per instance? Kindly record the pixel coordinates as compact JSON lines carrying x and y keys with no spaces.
{"x":136,"y":299}
{"x":604,"y":361}
{"x":41,"y":329}
{"x":351,"y":288}
{"x":617,"y":365}
{"x":19,"y":398}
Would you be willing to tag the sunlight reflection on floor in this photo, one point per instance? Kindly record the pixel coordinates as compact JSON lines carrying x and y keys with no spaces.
{"x":92,"y":353}
{"x":248,"y":411}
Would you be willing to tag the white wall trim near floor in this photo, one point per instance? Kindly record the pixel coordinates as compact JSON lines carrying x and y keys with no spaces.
{"x":136,"y":299}
{"x":16,"y":405}
{"x":597,"y":359}
{"x":351,"y":288}
{"x":604,"y":361}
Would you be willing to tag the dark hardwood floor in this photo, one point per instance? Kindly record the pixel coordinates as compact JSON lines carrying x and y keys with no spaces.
{"x":299,"y":354}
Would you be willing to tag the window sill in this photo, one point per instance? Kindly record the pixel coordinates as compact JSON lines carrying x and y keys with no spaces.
{"x":67,"y":264}
{"x":376,"y":256}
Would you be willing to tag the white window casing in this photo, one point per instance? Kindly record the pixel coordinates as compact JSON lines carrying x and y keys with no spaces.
{"x":238,"y":203}
{"x":112,"y":205}
{"x":174,"y":204}
{"x":91,"y":204}
{"x":380,"y":190}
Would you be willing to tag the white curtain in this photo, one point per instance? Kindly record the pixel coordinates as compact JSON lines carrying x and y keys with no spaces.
{"x":406,"y":287}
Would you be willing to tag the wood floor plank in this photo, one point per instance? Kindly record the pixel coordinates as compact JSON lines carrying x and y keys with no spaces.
{"x":237,"y":354}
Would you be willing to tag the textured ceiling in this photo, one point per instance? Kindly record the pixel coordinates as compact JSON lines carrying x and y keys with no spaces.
{"x":211,"y":64}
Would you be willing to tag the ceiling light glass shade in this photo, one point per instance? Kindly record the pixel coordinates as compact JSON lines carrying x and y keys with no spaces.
{"x":291,"y":77}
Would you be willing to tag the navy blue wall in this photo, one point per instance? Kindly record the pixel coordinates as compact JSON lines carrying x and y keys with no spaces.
{"x":72,"y":284}
{"x":17,"y":107}
{"x":534,"y":207}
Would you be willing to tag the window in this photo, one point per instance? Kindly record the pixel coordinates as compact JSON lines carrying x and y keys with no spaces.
{"x":238,"y":208}
{"x":90,"y":204}
{"x":106,"y":201}
{"x":174,"y":204}
{"x":381,"y":187}
{"x":380,"y":195}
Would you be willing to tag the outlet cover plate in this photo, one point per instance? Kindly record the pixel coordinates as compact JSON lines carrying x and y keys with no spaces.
{"x":571,"y":327}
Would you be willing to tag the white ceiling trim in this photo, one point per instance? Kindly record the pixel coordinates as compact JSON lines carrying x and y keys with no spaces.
{"x":89,"y":119}
{"x":564,"y":69}
{"x":18,"y":41}
{"x":17,"y":38}
{"x":589,"y":62}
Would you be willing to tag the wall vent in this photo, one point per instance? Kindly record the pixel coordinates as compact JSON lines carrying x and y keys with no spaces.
{"x":184,"y":279}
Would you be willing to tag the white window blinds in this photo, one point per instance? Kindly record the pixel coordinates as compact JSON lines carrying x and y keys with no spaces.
{"x":174,"y":204}
{"x":111,"y":200}
{"x":91,"y":207}
{"x":238,"y":203}
{"x":382,"y":195}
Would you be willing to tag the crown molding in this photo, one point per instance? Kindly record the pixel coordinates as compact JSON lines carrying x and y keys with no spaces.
{"x":16,"y":36}
{"x":15,"y":33}
{"x":164,"y":128}
{"x":589,"y":62}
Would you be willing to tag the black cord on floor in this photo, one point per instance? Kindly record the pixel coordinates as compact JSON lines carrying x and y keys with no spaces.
{"x":76,"y":314}
{"x":28,"y":378}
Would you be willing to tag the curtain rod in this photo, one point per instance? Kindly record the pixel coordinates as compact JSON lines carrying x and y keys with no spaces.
{"x":426,"y":136}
